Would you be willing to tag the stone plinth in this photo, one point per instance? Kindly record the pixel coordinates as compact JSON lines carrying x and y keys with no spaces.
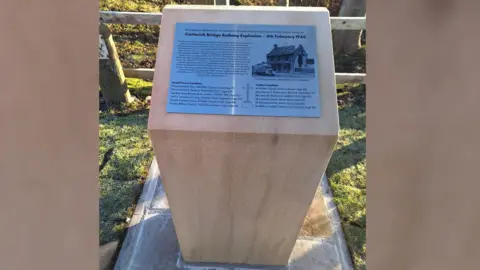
{"x":239,"y":187}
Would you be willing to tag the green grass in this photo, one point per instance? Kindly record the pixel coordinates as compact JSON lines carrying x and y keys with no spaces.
{"x":139,"y":88}
{"x":347,"y":171}
{"x":124,"y":172}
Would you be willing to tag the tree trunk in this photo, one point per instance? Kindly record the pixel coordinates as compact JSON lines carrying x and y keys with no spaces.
{"x":112,"y":80}
{"x":349,"y":41}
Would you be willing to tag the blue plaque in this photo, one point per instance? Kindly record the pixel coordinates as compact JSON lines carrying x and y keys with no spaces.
{"x":244,"y":69}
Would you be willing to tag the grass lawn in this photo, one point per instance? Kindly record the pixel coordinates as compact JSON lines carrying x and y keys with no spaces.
{"x":123,"y":175}
{"x":347,"y":171}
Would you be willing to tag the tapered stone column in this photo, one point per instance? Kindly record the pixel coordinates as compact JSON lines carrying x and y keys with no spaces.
{"x":239,"y":186}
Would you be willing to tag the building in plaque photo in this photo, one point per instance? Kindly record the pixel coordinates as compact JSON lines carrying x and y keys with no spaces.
{"x":288,"y":59}
{"x":285,"y":61}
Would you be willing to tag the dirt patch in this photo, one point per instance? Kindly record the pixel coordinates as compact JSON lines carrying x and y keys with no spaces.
{"x":317,"y":223}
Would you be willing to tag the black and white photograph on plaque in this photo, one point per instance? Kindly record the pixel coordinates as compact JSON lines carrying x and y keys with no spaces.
{"x":285,"y":61}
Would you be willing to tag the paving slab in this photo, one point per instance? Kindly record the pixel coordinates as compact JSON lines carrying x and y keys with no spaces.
{"x":151,"y":242}
{"x":106,"y":254}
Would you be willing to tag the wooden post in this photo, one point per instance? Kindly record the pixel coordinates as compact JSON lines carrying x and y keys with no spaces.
{"x":282,"y":3}
{"x":112,"y":80}
{"x":204,"y":2}
{"x":348,"y":41}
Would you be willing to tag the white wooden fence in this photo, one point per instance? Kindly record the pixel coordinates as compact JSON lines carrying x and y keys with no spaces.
{"x":115,"y":17}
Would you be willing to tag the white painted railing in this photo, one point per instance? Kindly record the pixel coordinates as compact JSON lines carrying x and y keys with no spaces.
{"x":116,"y":17}
{"x":147,"y":73}
{"x":338,"y":23}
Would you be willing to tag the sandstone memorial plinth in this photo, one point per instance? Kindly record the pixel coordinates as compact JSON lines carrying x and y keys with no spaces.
{"x":243,"y":123}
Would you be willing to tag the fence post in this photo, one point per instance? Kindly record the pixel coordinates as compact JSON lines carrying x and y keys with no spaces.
{"x":204,"y":2}
{"x":112,"y":80}
{"x":349,"y":41}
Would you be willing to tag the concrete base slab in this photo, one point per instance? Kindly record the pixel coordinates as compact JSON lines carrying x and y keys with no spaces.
{"x":106,"y":254}
{"x":151,"y":242}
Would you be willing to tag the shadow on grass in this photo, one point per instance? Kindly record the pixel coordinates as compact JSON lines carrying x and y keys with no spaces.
{"x":355,"y":236}
{"x":347,"y":156}
{"x":352,"y":118}
{"x":352,"y":140}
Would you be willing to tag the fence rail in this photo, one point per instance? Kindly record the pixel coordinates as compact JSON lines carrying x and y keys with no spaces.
{"x":116,"y":17}
{"x":147,"y":74}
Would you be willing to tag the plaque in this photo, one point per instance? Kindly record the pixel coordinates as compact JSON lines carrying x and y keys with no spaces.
{"x":244,"y":69}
